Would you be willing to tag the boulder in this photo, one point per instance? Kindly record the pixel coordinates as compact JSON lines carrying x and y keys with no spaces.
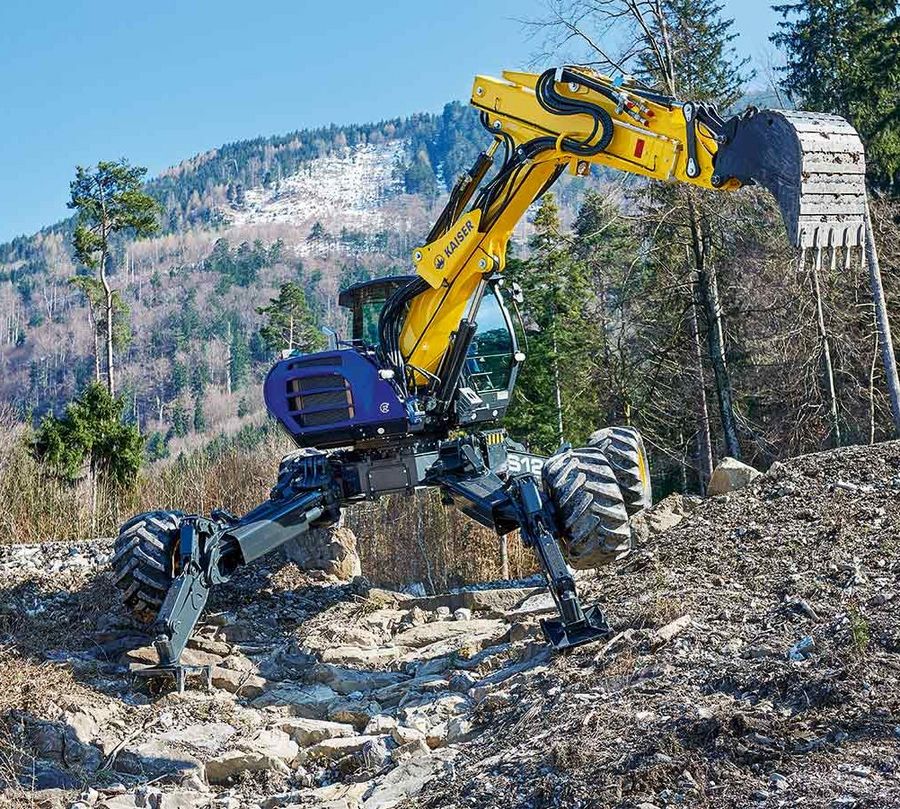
{"x":665,"y":515}
{"x":413,"y":749}
{"x":58,"y":742}
{"x":146,"y":655}
{"x":356,"y":712}
{"x":379,"y":725}
{"x":404,"y":735}
{"x":215,"y":647}
{"x":356,"y":656}
{"x":427,"y":634}
{"x":310,"y":701}
{"x":729,"y":476}
{"x":392,"y":694}
{"x":275,"y":742}
{"x":312,"y":731}
{"x":225,"y":766}
{"x":243,"y":684}
{"x":208,"y":737}
{"x":333,"y":749}
{"x":406,"y":781}
{"x":347,"y":681}
{"x":332,"y":550}
{"x":335,"y":796}
{"x":157,"y":758}
{"x":494,"y":602}
{"x":375,"y":754}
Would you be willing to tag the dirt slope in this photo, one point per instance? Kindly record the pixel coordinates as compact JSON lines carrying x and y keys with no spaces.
{"x":754,"y":663}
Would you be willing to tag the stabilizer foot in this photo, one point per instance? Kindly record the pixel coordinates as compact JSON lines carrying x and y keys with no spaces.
{"x":561,"y":635}
{"x":178,"y":672}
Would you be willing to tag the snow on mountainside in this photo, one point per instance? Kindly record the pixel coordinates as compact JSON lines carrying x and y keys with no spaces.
{"x":349,"y":186}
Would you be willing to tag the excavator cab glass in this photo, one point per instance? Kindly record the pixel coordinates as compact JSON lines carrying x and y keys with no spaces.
{"x":490,"y":359}
{"x":491,"y":366}
{"x":365,"y":302}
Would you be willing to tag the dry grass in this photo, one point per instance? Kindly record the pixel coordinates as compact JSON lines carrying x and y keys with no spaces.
{"x":401,"y":539}
{"x":29,"y":688}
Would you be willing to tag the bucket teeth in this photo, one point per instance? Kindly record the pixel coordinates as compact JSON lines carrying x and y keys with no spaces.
{"x":814,"y":164}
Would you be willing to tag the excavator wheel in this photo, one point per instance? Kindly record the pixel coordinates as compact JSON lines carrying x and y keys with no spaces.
{"x":624,"y":449}
{"x":144,"y":559}
{"x":582,"y":485}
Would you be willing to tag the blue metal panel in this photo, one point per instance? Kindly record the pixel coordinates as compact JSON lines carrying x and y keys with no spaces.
{"x":333,"y":398}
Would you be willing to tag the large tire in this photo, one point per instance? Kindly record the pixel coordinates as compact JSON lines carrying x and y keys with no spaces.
{"x":144,"y":559}
{"x":624,"y":449}
{"x":588,"y":500}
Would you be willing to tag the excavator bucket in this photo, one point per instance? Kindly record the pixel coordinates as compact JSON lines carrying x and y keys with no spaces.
{"x":814,"y":165}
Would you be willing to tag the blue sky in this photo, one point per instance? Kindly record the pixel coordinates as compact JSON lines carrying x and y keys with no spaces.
{"x":158,"y":82}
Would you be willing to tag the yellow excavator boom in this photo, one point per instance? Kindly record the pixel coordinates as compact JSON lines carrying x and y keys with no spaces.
{"x":573,"y":118}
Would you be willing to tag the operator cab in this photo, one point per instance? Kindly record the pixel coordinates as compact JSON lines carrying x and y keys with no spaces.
{"x":365,"y":301}
{"x":491,"y":364}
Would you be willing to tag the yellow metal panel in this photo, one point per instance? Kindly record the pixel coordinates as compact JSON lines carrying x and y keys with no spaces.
{"x":650,"y":142}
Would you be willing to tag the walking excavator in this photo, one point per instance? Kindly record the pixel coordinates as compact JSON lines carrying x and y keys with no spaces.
{"x":413,"y":398}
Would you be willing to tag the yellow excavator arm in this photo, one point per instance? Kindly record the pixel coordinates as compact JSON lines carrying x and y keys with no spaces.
{"x":572,"y":118}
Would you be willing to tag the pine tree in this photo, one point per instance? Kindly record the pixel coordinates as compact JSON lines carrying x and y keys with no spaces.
{"x":290,"y":323}
{"x":239,"y":358}
{"x":109,"y":201}
{"x":554,"y":399}
{"x":92,"y":431}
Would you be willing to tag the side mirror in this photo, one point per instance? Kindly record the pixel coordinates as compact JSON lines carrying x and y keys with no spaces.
{"x":517,"y":294}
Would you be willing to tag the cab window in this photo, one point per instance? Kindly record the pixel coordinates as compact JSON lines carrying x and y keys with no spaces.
{"x":490,"y":357}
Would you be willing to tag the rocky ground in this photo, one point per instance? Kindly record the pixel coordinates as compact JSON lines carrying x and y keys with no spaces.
{"x":754,"y":662}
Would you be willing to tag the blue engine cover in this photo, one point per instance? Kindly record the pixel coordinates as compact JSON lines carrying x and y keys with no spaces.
{"x":333,"y":399}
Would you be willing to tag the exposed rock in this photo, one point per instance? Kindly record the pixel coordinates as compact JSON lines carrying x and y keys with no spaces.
{"x":310,"y":701}
{"x":332,"y":550}
{"x":241,"y":683}
{"x":462,"y":614}
{"x":729,"y":476}
{"x":225,"y":766}
{"x":311,"y":731}
{"x":347,"y":681}
{"x":332,"y":749}
{"x":427,"y":634}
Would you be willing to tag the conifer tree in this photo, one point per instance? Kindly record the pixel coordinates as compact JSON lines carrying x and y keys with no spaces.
{"x":109,"y":201}
{"x":290,"y":324}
